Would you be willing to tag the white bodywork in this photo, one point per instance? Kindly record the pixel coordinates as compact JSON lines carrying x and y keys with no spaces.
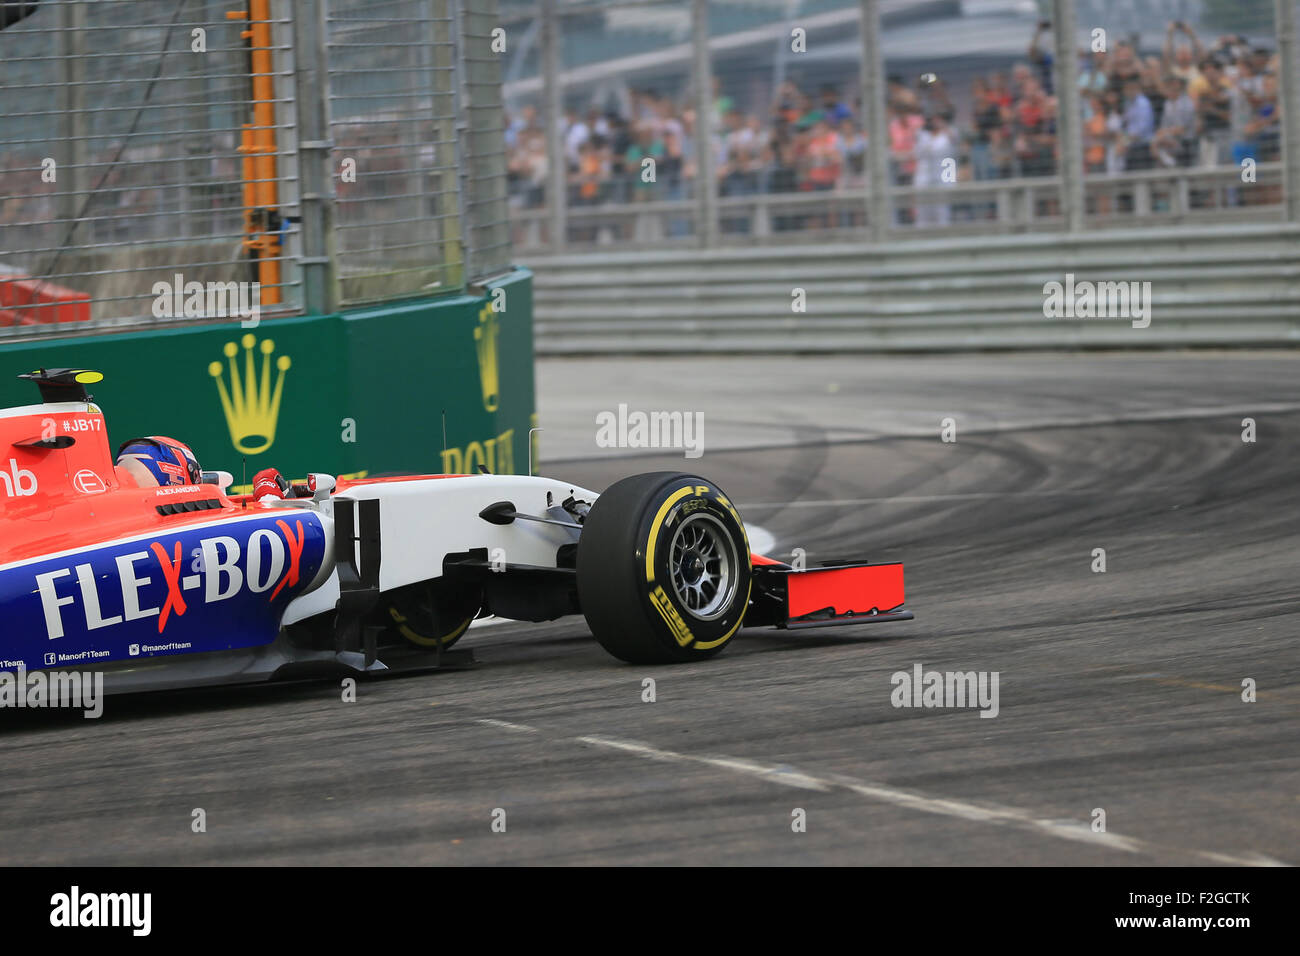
{"x":422,"y":521}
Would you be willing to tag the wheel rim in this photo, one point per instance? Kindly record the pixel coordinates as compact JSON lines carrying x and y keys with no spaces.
{"x":702,"y":561}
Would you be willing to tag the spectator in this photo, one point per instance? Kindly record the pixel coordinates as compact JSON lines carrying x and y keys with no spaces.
{"x":740,"y":170}
{"x":824,"y":158}
{"x":1139,"y":125}
{"x":1116,"y":144}
{"x":1093,"y":74}
{"x":1153,"y":85}
{"x":990,"y":116}
{"x":1181,"y":59}
{"x":834,"y":112}
{"x":592,"y":171}
{"x":1265,"y":130}
{"x":1124,"y":66}
{"x":1214,"y":109}
{"x":620,"y":141}
{"x":527,"y":167}
{"x":722,"y":104}
{"x":781,"y":151}
{"x":1021,"y":74}
{"x":786,"y":107}
{"x":1172,"y":143}
{"x":1035,"y":133}
{"x":897,"y":93}
{"x":1100,"y":129}
{"x":999,"y":92}
{"x":1042,"y":59}
{"x":933,"y":97}
{"x":1095,"y":133}
{"x":1001,"y":153}
{"x":936,"y":150}
{"x":645,"y":145}
{"x":1247,"y":93}
{"x":853,"y":144}
{"x":576,"y":133}
{"x":1180,"y":107}
{"x":904,"y":124}
{"x":672,"y":168}
{"x":517,"y":125}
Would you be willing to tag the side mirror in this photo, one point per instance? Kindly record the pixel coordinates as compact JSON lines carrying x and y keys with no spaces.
{"x":222,"y":479}
{"x":320,"y":486}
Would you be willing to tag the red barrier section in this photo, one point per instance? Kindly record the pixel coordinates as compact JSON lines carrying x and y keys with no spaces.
{"x":32,"y":301}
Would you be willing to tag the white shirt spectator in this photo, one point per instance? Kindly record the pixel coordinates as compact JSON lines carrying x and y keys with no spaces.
{"x":931,"y":150}
{"x":576,"y":135}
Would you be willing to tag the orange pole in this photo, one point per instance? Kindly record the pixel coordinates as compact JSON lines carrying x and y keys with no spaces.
{"x":261,"y":185}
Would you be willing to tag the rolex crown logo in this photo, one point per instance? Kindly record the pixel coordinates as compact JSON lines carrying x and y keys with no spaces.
{"x":485,"y":341}
{"x":252,"y":408}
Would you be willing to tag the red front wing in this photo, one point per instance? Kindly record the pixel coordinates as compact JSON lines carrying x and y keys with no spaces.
{"x":822,"y":597}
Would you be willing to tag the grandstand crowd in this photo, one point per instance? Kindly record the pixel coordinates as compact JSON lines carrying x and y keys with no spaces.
{"x":1187,"y":105}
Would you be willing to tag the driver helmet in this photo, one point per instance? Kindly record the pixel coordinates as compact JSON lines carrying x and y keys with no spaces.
{"x":159,"y":461}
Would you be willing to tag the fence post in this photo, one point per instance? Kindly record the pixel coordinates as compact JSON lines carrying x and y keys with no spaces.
{"x":319,"y":261}
{"x":284,"y":81}
{"x":706,"y":183}
{"x":873,"y":106}
{"x":453,"y":228}
{"x":553,"y":119}
{"x":464,"y":147}
{"x":1289,"y":99}
{"x":72,"y":173}
{"x":1069,"y":118}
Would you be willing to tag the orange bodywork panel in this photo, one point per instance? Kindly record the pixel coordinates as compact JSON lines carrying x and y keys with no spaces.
{"x":60,"y":490}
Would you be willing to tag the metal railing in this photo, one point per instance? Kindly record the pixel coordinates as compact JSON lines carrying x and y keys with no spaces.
{"x":1207,"y":285}
{"x":995,"y":206}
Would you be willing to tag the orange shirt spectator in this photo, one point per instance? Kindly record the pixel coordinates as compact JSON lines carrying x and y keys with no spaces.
{"x":825,"y":156}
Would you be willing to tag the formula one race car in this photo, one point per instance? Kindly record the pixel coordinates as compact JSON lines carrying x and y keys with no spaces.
{"x":185,"y":584}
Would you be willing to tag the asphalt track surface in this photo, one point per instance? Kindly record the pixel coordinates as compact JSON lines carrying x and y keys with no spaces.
{"x":1119,"y":690}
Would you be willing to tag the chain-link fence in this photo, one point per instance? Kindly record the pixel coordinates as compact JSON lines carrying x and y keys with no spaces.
{"x":393,"y":114}
{"x":172,"y":160}
{"x":903,"y":118}
{"x":483,"y":158}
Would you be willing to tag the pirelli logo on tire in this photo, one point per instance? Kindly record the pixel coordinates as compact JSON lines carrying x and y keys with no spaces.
{"x":669,"y":613}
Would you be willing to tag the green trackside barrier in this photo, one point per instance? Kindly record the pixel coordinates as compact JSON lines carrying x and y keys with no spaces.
{"x":359,"y":393}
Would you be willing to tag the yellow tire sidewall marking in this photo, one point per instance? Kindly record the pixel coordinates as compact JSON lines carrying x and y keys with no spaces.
{"x":675,"y":497}
{"x":663,"y":604}
{"x":416,"y":638}
{"x":660,"y":517}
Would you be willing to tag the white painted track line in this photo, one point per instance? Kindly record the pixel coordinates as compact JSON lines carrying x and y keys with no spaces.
{"x":978,"y":813}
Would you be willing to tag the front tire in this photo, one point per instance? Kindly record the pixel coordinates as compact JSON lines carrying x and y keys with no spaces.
{"x":663,"y":569}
